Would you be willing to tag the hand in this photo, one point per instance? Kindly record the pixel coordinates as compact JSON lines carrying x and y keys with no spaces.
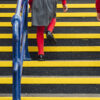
{"x":65,"y":8}
{"x":98,"y":16}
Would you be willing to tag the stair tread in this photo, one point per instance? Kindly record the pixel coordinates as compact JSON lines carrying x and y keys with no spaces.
{"x":90,"y":5}
{"x":54,"y":80}
{"x":60,"y":14}
{"x":54,"y":98}
{"x":58,"y":63}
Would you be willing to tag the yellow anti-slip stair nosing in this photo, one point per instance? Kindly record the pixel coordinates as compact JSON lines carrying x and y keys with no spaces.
{"x":60,"y":24}
{"x":76,"y":14}
{"x":58,"y":63}
{"x":90,"y":5}
{"x":68,"y":14}
{"x":57,"y":48}
{"x":58,"y":36}
{"x":53,"y":98}
{"x":53,"y":80}
{"x":69,"y":36}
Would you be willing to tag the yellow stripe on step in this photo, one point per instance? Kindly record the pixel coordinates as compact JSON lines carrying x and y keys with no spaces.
{"x":58,"y":36}
{"x":68,"y":14}
{"x":77,"y":24}
{"x":60,"y":24}
{"x":58,"y":63}
{"x":57,"y":48}
{"x":8,"y":14}
{"x":8,"y":5}
{"x":77,"y":14}
{"x":90,"y":5}
{"x":53,"y":98}
{"x":70,"y":36}
{"x":5,"y":36}
{"x":53,"y":80}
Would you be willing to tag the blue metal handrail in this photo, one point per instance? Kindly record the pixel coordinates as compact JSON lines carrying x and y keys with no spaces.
{"x":20,"y":45}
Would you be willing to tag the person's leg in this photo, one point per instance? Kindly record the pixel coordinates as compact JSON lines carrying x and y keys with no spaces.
{"x":50,"y":29}
{"x":51,"y":25}
{"x":40,"y":39}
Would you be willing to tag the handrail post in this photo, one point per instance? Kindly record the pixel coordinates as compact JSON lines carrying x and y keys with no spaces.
{"x":26,"y":54}
{"x":15,"y":81}
{"x":19,"y":82}
{"x":16,"y":55}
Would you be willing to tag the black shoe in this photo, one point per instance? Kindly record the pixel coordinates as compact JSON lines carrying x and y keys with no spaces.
{"x":41,"y":58}
{"x":50,"y":38}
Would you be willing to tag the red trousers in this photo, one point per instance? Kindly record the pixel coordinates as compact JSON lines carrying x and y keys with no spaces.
{"x":98,"y":6}
{"x":40,"y":35}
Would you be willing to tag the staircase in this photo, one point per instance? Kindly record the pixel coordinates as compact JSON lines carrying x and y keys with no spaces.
{"x":72,"y":67}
